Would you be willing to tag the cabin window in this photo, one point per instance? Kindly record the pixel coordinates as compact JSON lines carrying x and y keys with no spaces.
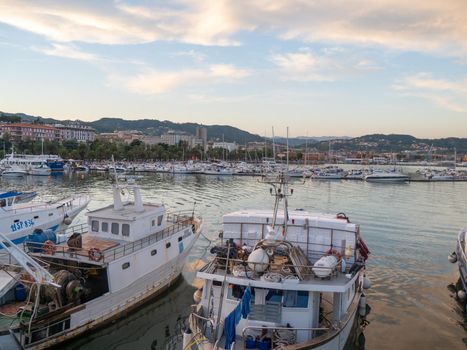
{"x":159,"y":220}
{"x":180,"y":239}
{"x":114,"y":228}
{"x":274,"y":296}
{"x":125,"y":266}
{"x":50,"y":214}
{"x":293,"y":298}
{"x":125,"y":230}
{"x":10,"y":201}
{"x":3,"y":203}
{"x":167,"y":245}
{"x":105,"y":227}
{"x":153,"y":252}
{"x":36,"y":217}
{"x":95,"y":226}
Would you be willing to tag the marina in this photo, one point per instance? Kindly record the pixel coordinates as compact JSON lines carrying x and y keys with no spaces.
{"x":403,"y":289}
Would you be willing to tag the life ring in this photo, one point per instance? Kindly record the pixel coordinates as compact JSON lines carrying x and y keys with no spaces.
{"x":49,"y":247}
{"x":95,"y":254}
{"x":342,"y":216}
{"x":334,"y":252}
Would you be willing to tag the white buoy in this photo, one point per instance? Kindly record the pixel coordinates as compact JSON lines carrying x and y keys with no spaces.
{"x":366,"y":282}
{"x":461,"y":295}
{"x":452,"y":257}
{"x":197,"y":295}
{"x":258,"y":260}
{"x":67,"y":221}
{"x":362,"y":306}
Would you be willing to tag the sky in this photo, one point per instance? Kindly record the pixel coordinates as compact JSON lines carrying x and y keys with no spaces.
{"x":340,"y":68}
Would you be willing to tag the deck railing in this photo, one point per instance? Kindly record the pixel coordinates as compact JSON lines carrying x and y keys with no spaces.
{"x":305,"y":271}
{"x":179,"y":222}
{"x":275,"y":336}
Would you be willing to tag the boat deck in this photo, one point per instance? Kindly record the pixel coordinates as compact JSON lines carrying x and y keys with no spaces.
{"x":338,"y":282}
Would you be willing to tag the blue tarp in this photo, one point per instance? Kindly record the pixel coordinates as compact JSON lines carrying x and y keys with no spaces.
{"x":232,"y":320}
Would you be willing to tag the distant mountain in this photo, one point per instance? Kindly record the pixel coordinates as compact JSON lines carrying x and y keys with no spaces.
{"x":147,"y":126}
{"x":302,"y":140}
{"x":396,"y":143}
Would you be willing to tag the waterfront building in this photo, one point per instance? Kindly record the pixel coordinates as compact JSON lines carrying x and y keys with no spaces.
{"x":229,"y":146}
{"x":76,"y":131}
{"x":34,"y":132}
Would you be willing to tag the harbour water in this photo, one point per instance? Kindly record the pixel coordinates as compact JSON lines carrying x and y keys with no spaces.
{"x":410,"y":229}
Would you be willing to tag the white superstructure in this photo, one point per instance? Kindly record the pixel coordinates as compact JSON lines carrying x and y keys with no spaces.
{"x":127,"y":253}
{"x":282,"y":279}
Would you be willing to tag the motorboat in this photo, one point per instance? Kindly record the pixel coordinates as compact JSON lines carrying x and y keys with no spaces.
{"x":41,"y":170}
{"x":18,"y":220}
{"x":7,"y":198}
{"x":386,"y":176}
{"x":280,"y":280}
{"x":14,"y":171}
{"x":127,"y":253}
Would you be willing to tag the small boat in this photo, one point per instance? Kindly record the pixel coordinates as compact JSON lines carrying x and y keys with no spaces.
{"x":40,"y":170}
{"x":7,"y":198}
{"x":14,"y":171}
{"x":386,"y":176}
{"x":280,"y":280}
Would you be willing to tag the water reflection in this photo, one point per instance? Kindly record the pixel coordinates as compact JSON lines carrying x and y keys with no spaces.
{"x":154,"y":326}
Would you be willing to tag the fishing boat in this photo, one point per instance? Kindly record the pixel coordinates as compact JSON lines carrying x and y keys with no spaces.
{"x":18,"y":220}
{"x":281,"y":280}
{"x":126,"y":254}
{"x":459,"y":257}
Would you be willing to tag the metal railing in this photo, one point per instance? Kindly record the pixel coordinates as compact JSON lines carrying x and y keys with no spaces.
{"x":275,"y":337}
{"x":306,"y":271}
{"x":180,"y":222}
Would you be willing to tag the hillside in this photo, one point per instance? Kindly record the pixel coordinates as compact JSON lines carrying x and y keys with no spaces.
{"x":395,"y":143}
{"x":147,"y":126}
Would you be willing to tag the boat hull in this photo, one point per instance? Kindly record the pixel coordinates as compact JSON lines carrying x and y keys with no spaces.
{"x":110,"y":306}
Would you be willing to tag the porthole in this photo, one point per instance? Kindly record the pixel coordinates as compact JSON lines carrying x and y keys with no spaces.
{"x":125,"y":266}
{"x":153,"y":252}
{"x":180,"y":239}
{"x":167,"y":245}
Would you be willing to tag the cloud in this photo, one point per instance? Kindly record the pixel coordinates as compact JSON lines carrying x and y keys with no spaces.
{"x":448,"y":94}
{"x":327,"y":65}
{"x":416,"y":25}
{"x":67,"y":51}
{"x":153,"y":82}
{"x":195,"y":55}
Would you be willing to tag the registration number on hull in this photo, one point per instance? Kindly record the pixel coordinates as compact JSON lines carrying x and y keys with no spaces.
{"x":21,"y":224}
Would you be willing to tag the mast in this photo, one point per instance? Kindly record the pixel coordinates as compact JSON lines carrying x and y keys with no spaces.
{"x":273,"y":145}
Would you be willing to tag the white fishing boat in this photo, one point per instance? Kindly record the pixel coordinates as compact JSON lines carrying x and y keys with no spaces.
{"x":282,"y":280}
{"x":10,"y":197}
{"x":459,"y":256}
{"x":18,"y":220}
{"x":386,"y":176}
{"x":128,"y":253}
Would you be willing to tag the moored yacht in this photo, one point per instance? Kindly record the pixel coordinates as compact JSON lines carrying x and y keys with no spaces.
{"x":386,"y":176}
{"x":282,"y":279}
{"x":127,"y":253}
